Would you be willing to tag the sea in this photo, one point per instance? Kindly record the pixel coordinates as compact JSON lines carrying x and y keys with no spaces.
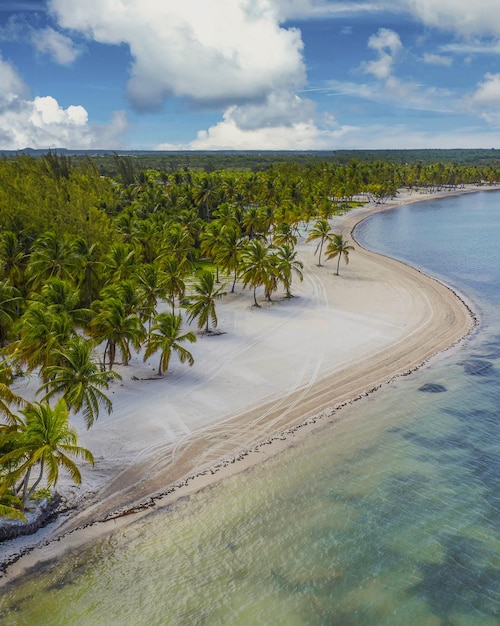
{"x":388,"y":516}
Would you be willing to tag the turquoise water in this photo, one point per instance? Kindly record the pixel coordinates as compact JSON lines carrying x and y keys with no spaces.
{"x":390,"y":516}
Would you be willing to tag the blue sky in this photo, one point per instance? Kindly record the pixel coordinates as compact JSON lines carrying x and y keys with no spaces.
{"x":249,"y":74}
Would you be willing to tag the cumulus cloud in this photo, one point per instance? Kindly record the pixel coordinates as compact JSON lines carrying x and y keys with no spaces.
{"x":300,"y":135}
{"x":486,"y":99}
{"x":58,"y":46}
{"x":481,"y":17}
{"x":225,"y":52}
{"x":386,"y":44}
{"x":43,"y":123}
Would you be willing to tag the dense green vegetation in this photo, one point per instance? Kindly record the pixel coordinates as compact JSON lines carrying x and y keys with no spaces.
{"x":90,"y":249}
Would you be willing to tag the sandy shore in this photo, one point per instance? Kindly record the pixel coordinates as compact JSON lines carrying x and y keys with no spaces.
{"x":270,"y":376}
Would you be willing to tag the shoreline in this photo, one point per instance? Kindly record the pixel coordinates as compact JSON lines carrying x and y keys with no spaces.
{"x":230,"y":446}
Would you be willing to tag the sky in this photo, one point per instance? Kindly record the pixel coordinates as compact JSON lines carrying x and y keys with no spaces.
{"x":249,"y":74}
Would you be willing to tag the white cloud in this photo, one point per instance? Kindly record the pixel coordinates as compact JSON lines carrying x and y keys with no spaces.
{"x":58,"y":46}
{"x":486,"y":99}
{"x":43,"y":123}
{"x":437,"y":59}
{"x":225,"y":52}
{"x":387,"y":44}
{"x":481,"y":17}
{"x":249,"y":128}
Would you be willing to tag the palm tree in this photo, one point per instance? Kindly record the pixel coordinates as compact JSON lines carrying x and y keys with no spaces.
{"x":41,"y":332}
{"x":44,"y":438}
{"x":89,"y":268}
{"x":8,"y":398}
{"x":119,"y":263}
{"x":79,"y":380}
{"x":12,"y":259}
{"x":229,"y":250}
{"x":320,"y":230}
{"x":284,"y":234}
{"x":10,"y":300}
{"x":151,"y":283}
{"x":210,"y":241}
{"x":60,"y":296}
{"x":51,"y":256}
{"x":166,"y":336}
{"x":117,"y":328}
{"x":202,"y":305}
{"x":339,"y":248}
{"x":174,"y":271}
{"x":287,"y":264}
{"x":257,"y":266}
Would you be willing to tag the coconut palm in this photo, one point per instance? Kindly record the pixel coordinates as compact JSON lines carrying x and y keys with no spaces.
{"x":210,"y":241}
{"x":166,"y":336}
{"x":51,"y":256}
{"x":119,"y":262}
{"x":8,"y":398}
{"x":288,"y":264}
{"x":257,"y":266}
{"x":174,"y":271}
{"x":89,"y":268}
{"x":229,"y":250}
{"x":10,"y":300}
{"x":61,"y":296}
{"x":284,"y":234}
{"x":12,"y":259}
{"x":41,"y":332}
{"x":118,"y":329}
{"x":151,"y":282}
{"x":202,"y":304}
{"x":79,"y":380}
{"x":320,"y":230}
{"x":338,"y":247}
{"x":44,"y":438}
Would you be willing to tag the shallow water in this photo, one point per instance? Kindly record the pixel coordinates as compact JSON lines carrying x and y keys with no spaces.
{"x":391,"y":516}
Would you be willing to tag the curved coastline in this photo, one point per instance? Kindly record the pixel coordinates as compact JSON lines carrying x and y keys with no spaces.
{"x":444,"y":319}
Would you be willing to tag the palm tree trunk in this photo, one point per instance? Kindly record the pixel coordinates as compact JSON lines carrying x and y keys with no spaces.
{"x":234,"y":281}
{"x":338,"y":265}
{"x":36,"y":483}
{"x":25,"y":487}
{"x":255,"y":296}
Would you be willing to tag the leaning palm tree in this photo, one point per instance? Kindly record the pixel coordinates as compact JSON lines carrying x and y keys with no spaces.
{"x":339,"y":248}
{"x":79,"y":380}
{"x":320,"y":230}
{"x":45,"y":439}
{"x":166,"y":336}
{"x":202,"y":304}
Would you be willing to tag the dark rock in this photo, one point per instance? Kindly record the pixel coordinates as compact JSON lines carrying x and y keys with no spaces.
{"x":432,"y":388}
{"x":477,"y":367}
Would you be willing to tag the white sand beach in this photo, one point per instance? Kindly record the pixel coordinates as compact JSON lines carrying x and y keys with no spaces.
{"x":269,"y":370}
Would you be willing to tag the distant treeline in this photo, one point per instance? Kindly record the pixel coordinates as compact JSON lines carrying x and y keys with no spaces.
{"x":261,"y":160}
{"x":84,"y":196}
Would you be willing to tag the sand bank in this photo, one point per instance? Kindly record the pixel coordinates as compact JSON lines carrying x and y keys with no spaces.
{"x":269,"y":377}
